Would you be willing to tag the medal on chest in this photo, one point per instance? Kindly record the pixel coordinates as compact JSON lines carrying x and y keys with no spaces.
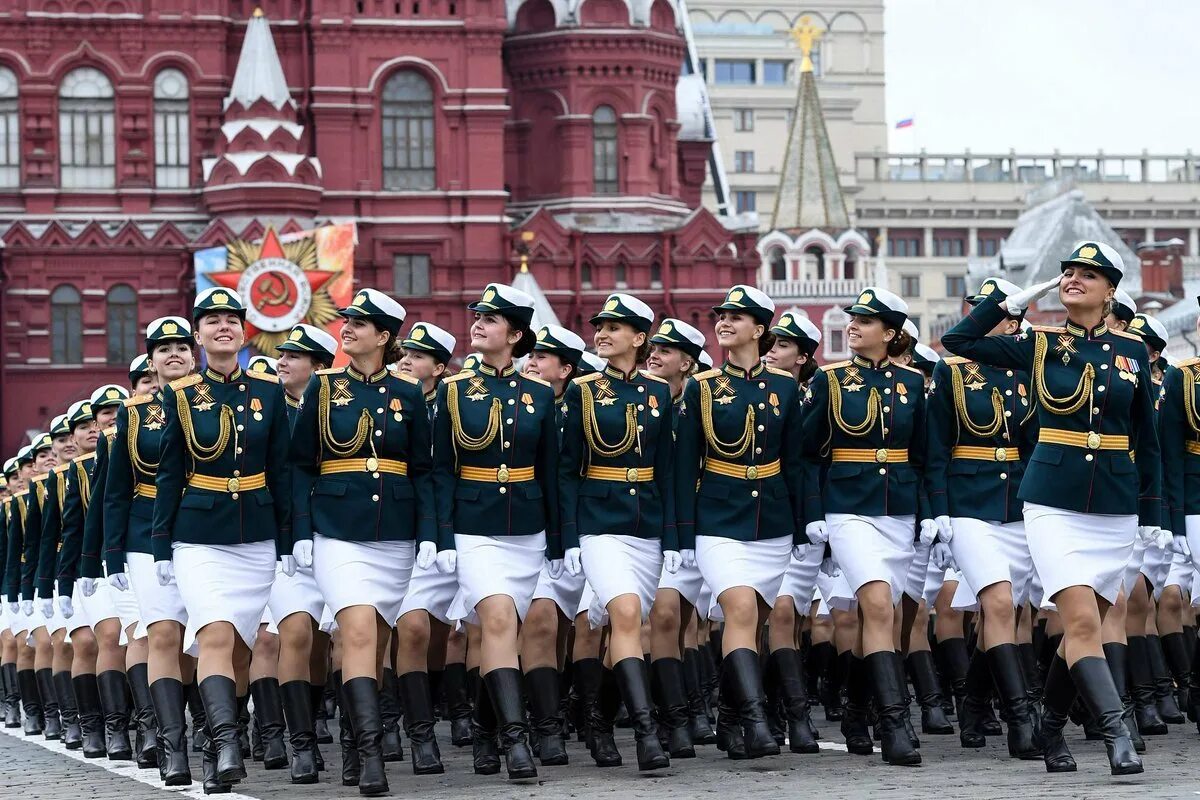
{"x":773,"y":401}
{"x":202,"y":398}
{"x":256,"y":409}
{"x":852,"y":380}
{"x":605,"y":395}
{"x":155,"y":418}
{"x":653,"y":403}
{"x":1066,"y":347}
{"x":723,"y":391}
{"x":527,"y":399}
{"x":902,"y":391}
{"x":476,"y":388}
{"x":341,"y":392}
{"x":1127,"y":368}
{"x":396,"y":407}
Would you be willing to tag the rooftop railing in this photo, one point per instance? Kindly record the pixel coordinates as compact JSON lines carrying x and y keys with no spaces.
{"x":1015,"y":167}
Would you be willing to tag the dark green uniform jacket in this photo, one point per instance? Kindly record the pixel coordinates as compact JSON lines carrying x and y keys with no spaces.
{"x":18,"y":510}
{"x":363,"y":441}
{"x":76,"y":502}
{"x":737,"y":451}
{"x":616,"y":473}
{"x":51,"y":539}
{"x":91,"y":563}
{"x":129,"y":488}
{"x":1092,"y":393}
{"x":1179,"y":434}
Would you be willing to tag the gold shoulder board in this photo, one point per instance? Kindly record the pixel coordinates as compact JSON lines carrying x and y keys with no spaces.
{"x":330,"y":371}
{"x":404,"y":376}
{"x":1126,"y":335}
{"x":591,"y":376}
{"x":708,"y":373}
{"x":835,"y":365}
{"x":185,"y":381}
{"x":458,"y":376}
{"x":1051,"y":329}
{"x":138,"y":400}
{"x":651,"y":377}
{"x":262,"y":376}
{"x":781,"y":372}
{"x":536,"y":379}
{"x":955,"y":360}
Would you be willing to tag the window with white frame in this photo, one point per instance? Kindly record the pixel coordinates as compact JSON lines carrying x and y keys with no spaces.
{"x":833,"y":330}
{"x":10,"y":130}
{"x":87,"y":148}
{"x":408,"y":152}
{"x":171,"y":148}
{"x":604,"y":150}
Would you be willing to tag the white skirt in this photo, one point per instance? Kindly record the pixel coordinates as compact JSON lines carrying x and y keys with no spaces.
{"x":835,"y":592}
{"x":687,"y":581}
{"x":363,"y":574}
{"x":800,"y":580}
{"x":432,"y":592}
{"x":566,"y":590}
{"x":295,"y":594}
{"x":618,"y":565}
{"x":55,"y":622}
{"x":918,"y":572}
{"x":1070,"y":548}
{"x":726,"y":563}
{"x":492,"y":565}
{"x":991,"y":552}
{"x":1156,"y":563}
{"x":327,"y":624}
{"x":155,"y":603}
{"x":1180,"y":574}
{"x":873,"y":549}
{"x":224,"y":583}
{"x":705,"y":603}
{"x":586,"y":598}
{"x":965,"y":597}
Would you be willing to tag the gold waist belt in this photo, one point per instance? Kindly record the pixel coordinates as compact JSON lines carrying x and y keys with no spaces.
{"x":145,"y":490}
{"x":388,"y":465}
{"x":1090,"y":440}
{"x":986,"y":453}
{"x":243,"y":483}
{"x":878,"y":456}
{"x":752,"y":472}
{"x":499,"y":475}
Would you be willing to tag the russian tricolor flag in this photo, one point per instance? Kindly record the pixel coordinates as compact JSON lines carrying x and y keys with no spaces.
{"x":907,"y":122}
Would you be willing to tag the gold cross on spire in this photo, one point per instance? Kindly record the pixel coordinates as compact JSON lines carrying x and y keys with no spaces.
{"x":806,"y":36}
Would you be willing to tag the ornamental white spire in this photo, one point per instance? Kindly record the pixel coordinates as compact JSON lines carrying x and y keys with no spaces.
{"x":259,"y":74}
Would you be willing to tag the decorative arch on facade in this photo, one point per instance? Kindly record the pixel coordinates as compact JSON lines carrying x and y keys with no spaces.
{"x":534,"y":16}
{"x":514,"y":9}
{"x":385,"y":70}
{"x":847,"y":21}
{"x":86,"y":56}
{"x":605,"y":13}
{"x":833,"y":333}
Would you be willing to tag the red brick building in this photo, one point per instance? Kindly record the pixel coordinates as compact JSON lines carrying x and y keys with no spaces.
{"x":135,"y":132}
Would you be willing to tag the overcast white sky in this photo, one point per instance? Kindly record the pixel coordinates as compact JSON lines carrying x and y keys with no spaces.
{"x":1039,"y":75}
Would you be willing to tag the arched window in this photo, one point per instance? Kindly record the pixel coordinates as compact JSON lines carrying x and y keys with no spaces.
{"x":585,"y":274}
{"x":604,"y":150}
{"x":655,"y":274}
{"x":621,"y":274}
{"x":778,"y":264}
{"x":86,"y":140}
{"x":123,"y":340}
{"x":408,"y":154}
{"x":171,"y":129}
{"x":833,"y":325}
{"x":818,"y":255}
{"x":10,"y":130}
{"x":850,"y":265}
{"x":66,"y":325}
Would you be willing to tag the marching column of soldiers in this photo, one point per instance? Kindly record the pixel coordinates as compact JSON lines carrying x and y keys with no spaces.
{"x":231,"y":564}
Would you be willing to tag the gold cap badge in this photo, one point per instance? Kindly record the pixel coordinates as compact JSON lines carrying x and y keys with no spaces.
{"x":864,"y":298}
{"x":220,"y":298}
{"x":112,"y":394}
{"x":297,"y":335}
{"x":168,"y":328}
{"x":666,"y":328}
{"x":988,"y":288}
{"x":612,"y":304}
{"x":736,"y":296}
{"x":418,"y":333}
{"x":542,"y":334}
{"x":1087,"y":251}
{"x":489,"y":295}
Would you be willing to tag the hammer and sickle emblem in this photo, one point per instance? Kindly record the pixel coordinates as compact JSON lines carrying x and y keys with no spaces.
{"x":273,"y":290}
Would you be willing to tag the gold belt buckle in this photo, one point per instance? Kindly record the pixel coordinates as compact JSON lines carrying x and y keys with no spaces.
{"x":502,"y":475}
{"x":1093,"y":441}
{"x":881,"y":455}
{"x":232,"y":485}
{"x":372,"y":464}
{"x":631,"y":475}
{"x":1001,"y":454}
{"x":751,"y":472}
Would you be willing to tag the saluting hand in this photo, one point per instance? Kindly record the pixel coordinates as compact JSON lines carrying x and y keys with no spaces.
{"x":426,"y":555}
{"x":573,"y":561}
{"x":1016,"y":303}
{"x":302,"y":552}
{"x":87,"y":586}
{"x":672,"y":561}
{"x":165,"y":571}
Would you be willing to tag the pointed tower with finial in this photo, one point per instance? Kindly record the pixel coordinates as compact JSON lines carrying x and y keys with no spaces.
{"x":262,"y":166}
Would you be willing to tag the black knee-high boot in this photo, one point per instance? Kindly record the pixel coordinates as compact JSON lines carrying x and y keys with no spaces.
{"x":219,"y":694}
{"x":746,"y":681}
{"x":700,"y":730}
{"x":1164,"y":693}
{"x":929,"y":693}
{"x":885,"y":672}
{"x":31,"y":702}
{"x":298,"y":712}
{"x":458,"y":703}
{"x":485,"y":753}
{"x":72,"y":734}
{"x":1116,"y":654}
{"x":504,"y":688}
{"x":600,"y":721}
{"x":976,"y":706}
{"x":546,"y":727}
{"x":351,"y":766}
{"x":1009,"y":676}
{"x":667,"y":681}
{"x":116,"y":714}
{"x":417,"y":696}
{"x":195,"y":709}
{"x":316,"y":695}
{"x":91,"y":715}
{"x":1194,"y":682}
{"x":167,"y":697}
{"x":1095,"y":686}
{"x":826,"y":664}
{"x":587,"y":673}
{"x":146,"y":741}
{"x":361,"y":696}
{"x":52,"y":728}
{"x":858,"y":701}
{"x":1143,"y":688}
{"x":12,"y":695}
{"x":631,"y":679}
{"x":268,"y":708}
{"x":243,"y":728}
{"x":956,"y":662}
{"x":1175,"y":649}
{"x":1057,"y":698}
{"x":710,"y":680}
{"x":729,"y":729}
{"x":793,"y":688}
{"x":389,"y":709}
{"x":210,"y":781}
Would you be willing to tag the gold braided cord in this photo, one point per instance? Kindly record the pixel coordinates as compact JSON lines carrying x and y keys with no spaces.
{"x":22,"y":509}
{"x":874,"y":404}
{"x":1189,"y":400}
{"x":201,"y":452}
{"x":591,"y":428}
{"x":960,"y":403}
{"x":1063,"y":406}
{"x":361,"y":434}
{"x":131,"y":440}
{"x":461,"y":438}
{"x":727,"y":450}
{"x":60,"y":489}
{"x":85,"y":486}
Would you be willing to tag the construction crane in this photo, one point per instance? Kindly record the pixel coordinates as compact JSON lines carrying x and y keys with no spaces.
{"x":691,"y":66}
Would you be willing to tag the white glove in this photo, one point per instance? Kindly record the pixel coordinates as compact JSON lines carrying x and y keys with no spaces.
{"x":14,"y":607}
{"x":87,"y":586}
{"x":27,"y":608}
{"x":672,"y":561}
{"x":1148,"y":534}
{"x":1179,"y":545}
{"x":47,"y":604}
{"x":799,"y":551}
{"x":287,"y":565}
{"x":447,"y":561}
{"x":829,"y":566}
{"x":689,"y":558}
{"x":554,"y":568}
{"x":816,"y":533}
{"x":426,"y":555}
{"x":165,"y":571}
{"x":119,"y":581}
{"x":302,"y":552}
{"x":941,"y":556}
{"x":945,"y":532}
{"x":929,"y":531}
{"x":573,"y":561}
{"x":65,"y":606}
{"x":1016,"y":303}
{"x":1163,"y":539}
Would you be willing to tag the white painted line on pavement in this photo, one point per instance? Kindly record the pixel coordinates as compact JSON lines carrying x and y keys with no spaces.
{"x":126,"y":769}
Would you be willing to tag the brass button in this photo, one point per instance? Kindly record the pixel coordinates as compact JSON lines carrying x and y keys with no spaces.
{"x":1104,"y":366}
{"x":887,"y":409}
{"x":883,"y":470}
{"x":1106,"y":347}
{"x":633,"y":491}
{"x":379,"y":411}
{"x":1008,"y":413}
{"x":641,"y":428}
{"x":508,"y":421}
{"x":762,"y":405}
{"x":1099,"y":388}
{"x":382,"y":390}
{"x":375,"y":497}
{"x":1009,"y":373}
{"x":762,"y":385}
{"x":641,"y":388}
{"x":885,"y":431}
{"x":503,"y":490}
{"x":234,"y":496}
{"x":512,"y":401}
{"x":374,"y":474}
{"x":239,"y":451}
{"x":237,"y":473}
{"x":508,"y":444}
{"x":758,"y":451}
{"x":754,"y":493}
{"x":1089,"y":457}
{"x":1095,"y":411}
{"x":379,"y":433}
{"x":1008,"y":392}
{"x":1003,"y":476}
{"x":241,"y":408}
{"x":887,"y":374}
{"x":241,"y":427}
{"x":513,"y":384}
{"x":887,"y":391}
{"x":641,"y":407}
{"x":241,"y":387}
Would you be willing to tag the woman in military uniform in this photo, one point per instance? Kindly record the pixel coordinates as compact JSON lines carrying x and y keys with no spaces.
{"x":616,"y":490}
{"x":363,"y":437}
{"x":128,"y":506}
{"x":739,"y":504}
{"x":20,"y":612}
{"x":1085,"y":497}
{"x":981,"y":432}
{"x":221,"y":513}
{"x":495,"y":456}
{"x":864,"y":442}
